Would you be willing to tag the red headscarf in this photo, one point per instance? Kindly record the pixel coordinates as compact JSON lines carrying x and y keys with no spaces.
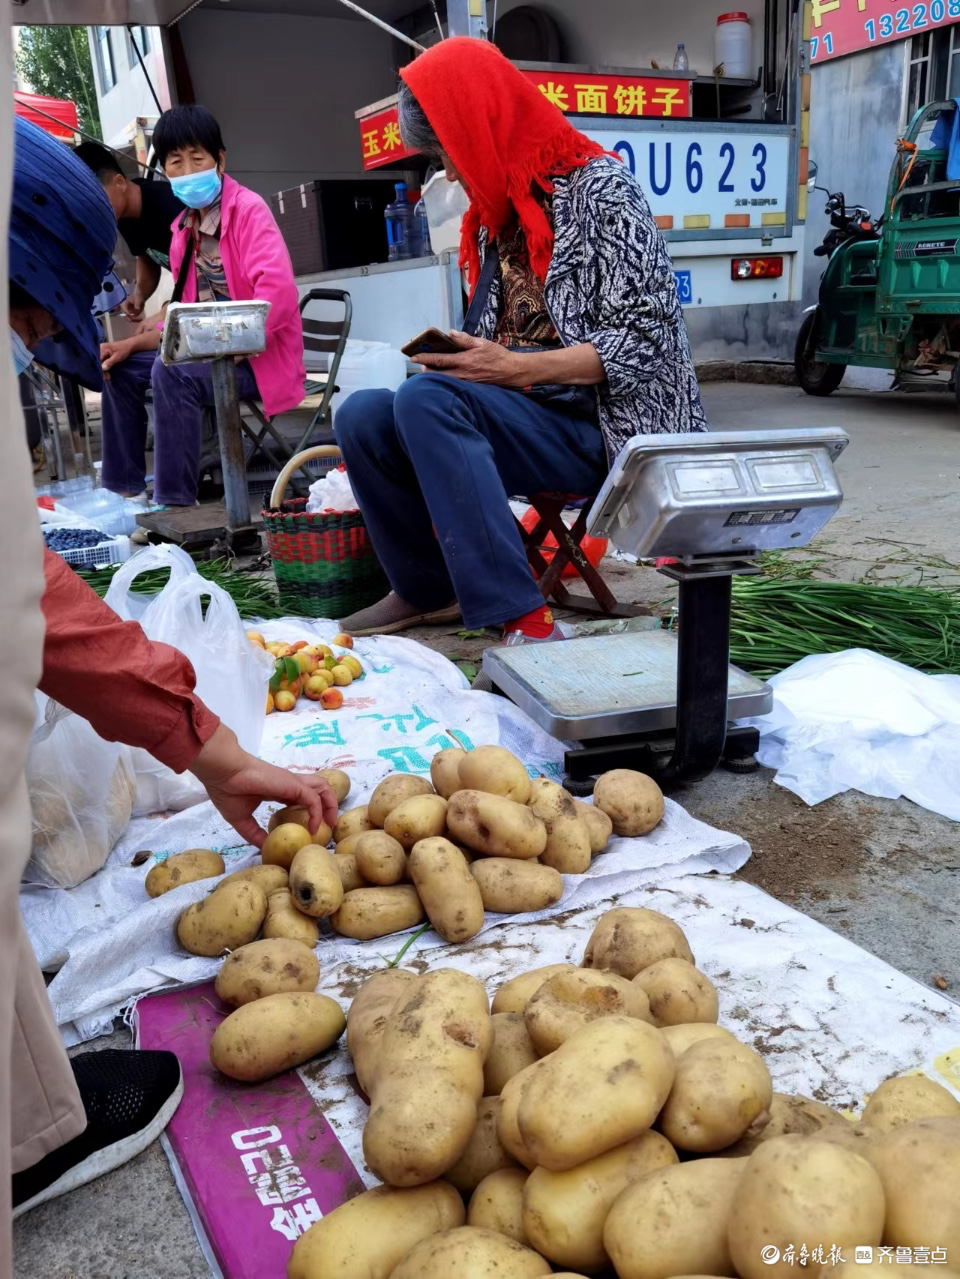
{"x":504,"y":137}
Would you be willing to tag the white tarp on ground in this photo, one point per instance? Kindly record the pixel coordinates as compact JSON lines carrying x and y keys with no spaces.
{"x":111,"y":942}
{"x":831,"y":1020}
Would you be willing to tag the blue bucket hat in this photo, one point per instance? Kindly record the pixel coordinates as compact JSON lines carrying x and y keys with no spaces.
{"x":62,"y":236}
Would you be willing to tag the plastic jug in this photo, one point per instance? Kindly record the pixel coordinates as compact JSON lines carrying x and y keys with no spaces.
{"x":732,"y":46}
{"x":401,"y":226}
{"x":367,"y":366}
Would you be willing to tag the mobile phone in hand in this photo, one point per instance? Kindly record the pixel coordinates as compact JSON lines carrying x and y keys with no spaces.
{"x":431,"y":342}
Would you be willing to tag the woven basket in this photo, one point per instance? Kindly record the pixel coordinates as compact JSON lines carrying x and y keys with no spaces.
{"x":324,"y":564}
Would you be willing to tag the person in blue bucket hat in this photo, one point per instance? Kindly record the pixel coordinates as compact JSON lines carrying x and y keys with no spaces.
{"x":64,"y":1123}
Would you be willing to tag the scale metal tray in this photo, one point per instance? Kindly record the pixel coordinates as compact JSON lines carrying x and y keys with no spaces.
{"x":607,"y":685}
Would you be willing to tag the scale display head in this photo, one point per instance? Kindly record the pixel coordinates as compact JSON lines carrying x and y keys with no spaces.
{"x":213,"y":330}
{"x":709,"y":495}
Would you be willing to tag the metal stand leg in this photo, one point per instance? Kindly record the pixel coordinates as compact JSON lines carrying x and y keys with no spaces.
{"x":230,"y":433}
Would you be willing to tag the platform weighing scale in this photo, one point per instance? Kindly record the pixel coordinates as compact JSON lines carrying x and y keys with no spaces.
{"x":704,"y":506}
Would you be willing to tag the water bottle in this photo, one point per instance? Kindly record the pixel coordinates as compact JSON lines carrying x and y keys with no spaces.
{"x":680,"y":60}
{"x":400,"y":223}
{"x":423,"y":228}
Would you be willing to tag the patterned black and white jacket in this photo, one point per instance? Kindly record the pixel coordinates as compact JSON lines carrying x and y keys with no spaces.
{"x":611,"y":283}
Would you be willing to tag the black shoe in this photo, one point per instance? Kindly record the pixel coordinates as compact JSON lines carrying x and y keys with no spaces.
{"x":129,"y":1097}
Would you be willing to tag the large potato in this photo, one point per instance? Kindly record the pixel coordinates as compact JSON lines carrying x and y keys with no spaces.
{"x":349,"y":871}
{"x":804,"y":1192}
{"x":298,"y":816}
{"x":337,"y":780}
{"x":680,"y":1038}
{"x":368,"y":1236}
{"x":315,"y":883}
{"x":470,"y":1253}
{"x":919,"y":1167}
{"x":228,"y":918}
{"x":674,"y":1221}
{"x":604,"y":1086}
{"x":427,"y":1079}
{"x":445,"y":771}
{"x":377,"y":912}
{"x":495,"y":770}
{"x":628,"y":939}
{"x":374,"y":1003}
{"x":719,"y":1091}
{"x":267,"y":878}
{"x":510,"y":1052}
{"x":393,"y":790}
{"x":283,"y":843}
{"x":793,"y":1114}
{"x":513,"y":995}
{"x":483,"y":1154}
{"x":497,"y":1204}
{"x":568,"y":839}
{"x":284,"y":920}
{"x":508,"y":1129}
{"x":353,"y":822}
{"x":906,"y":1098}
{"x":564,"y":1212}
{"x":599,"y":826}
{"x":182,"y":868}
{"x":568,"y":1001}
{"x":419,"y":817}
{"x":380,"y":859}
{"x":267,"y":967}
{"x":275,"y":1033}
{"x":495,"y":826}
{"x":511,"y":887}
{"x":632,"y":801}
{"x":679,"y":993}
{"x":449,"y":892}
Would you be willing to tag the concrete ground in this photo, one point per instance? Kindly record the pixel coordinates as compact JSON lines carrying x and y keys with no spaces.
{"x":884,"y":873}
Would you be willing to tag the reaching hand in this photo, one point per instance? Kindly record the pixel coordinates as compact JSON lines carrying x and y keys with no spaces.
{"x":132,"y":307}
{"x":238,"y":784}
{"x":112,"y":353}
{"x":477,"y":361}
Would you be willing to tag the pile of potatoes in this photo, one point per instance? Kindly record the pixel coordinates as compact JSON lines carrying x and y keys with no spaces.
{"x":596,"y":1120}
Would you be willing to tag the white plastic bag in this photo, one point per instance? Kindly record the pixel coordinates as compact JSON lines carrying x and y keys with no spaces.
{"x":81,"y":796}
{"x":232,"y":675}
{"x":332,"y":492}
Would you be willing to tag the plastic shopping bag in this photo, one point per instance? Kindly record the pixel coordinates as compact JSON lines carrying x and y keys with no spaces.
{"x":81,"y":796}
{"x":232,"y":675}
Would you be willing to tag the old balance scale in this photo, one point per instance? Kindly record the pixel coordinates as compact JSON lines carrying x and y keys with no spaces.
{"x":662,"y":702}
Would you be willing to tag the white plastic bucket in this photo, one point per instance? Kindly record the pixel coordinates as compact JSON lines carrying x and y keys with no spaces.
{"x":733,"y":46}
{"x":368,"y":366}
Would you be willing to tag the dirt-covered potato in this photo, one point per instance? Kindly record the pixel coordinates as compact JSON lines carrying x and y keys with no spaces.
{"x":347,"y":847}
{"x":599,"y":825}
{"x":380,"y":859}
{"x":680,"y":1038}
{"x":298,"y":816}
{"x":510,"y":1052}
{"x":445,"y":771}
{"x":628,"y":939}
{"x":266,"y":878}
{"x":512,"y":887}
{"x":513,"y":995}
{"x":483,"y":1153}
{"x":227,"y":919}
{"x":497,"y":1204}
{"x":919,"y":1167}
{"x":315,"y":883}
{"x":632,"y":801}
{"x":495,"y":826}
{"x":420,"y":817}
{"x":679,"y":993}
{"x":450,"y":894}
{"x":273,"y":1034}
{"x":368,"y":1236}
{"x":568,"y":1001}
{"x":496,"y":771}
{"x":720,"y":1090}
{"x":182,"y":868}
{"x":393,"y":790}
{"x":803,"y":1192}
{"x":564,"y":1212}
{"x":349,"y":871}
{"x":352,"y":822}
{"x":470,"y":1253}
{"x":377,"y":1000}
{"x":905,"y":1098}
{"x":568,"y":840}
{"x":377,"y":912}
{"x":793,"y":1114}
{"x":674,"y":1221}
{"x":508,"y":1129}
{"x":284,"y":920}
{"x":602,"y":1087}
{"x":337,"y":780}
{"x":283,"y":843}
{"x":267,"y":967}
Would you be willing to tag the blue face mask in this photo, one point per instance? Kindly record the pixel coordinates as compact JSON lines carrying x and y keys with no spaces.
{"x":22,"y":355}
{"x":197,"y":190}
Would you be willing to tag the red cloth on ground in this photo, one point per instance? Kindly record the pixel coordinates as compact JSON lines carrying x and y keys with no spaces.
{"x":129,"y":688}
{"x":504,"y":137}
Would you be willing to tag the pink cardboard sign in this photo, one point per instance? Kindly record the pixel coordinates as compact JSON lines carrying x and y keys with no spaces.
{"x":257,"y":1164}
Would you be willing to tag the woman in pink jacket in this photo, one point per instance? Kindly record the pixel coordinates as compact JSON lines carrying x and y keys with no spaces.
{"x":233,"y":251}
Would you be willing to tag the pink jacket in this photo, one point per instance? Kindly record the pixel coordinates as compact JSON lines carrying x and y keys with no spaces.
{"x":257,"y":266}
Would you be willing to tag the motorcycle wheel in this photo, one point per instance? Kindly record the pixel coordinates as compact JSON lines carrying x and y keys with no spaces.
{"x":817,"y":377}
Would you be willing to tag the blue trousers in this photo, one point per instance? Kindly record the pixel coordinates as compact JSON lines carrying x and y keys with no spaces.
{"x":432,"y":466}
{"x":180,"y":394}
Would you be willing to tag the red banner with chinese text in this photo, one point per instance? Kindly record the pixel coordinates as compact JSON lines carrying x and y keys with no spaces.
{"x":838,"y":27}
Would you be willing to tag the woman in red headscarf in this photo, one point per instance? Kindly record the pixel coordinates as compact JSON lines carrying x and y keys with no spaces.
{"x":574,"y":342}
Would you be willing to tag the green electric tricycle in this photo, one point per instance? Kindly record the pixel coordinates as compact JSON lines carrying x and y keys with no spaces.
{"x":890,"y":293}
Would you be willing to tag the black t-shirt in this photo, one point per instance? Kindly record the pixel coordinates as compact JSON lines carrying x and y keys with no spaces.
{"x":149,"y":234}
